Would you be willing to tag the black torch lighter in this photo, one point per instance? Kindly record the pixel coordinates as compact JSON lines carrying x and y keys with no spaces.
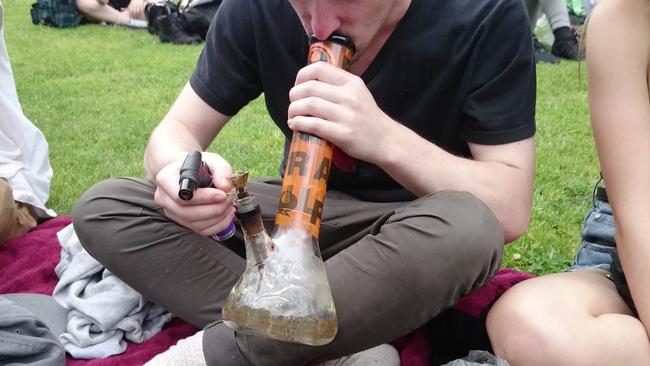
{"x":195,"y":174}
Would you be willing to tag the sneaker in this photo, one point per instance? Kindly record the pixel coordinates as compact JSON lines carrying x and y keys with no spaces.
{"x":566,"y":45}
{"x":542,"y":55}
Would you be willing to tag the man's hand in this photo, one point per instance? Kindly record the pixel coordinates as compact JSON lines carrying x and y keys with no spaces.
{"x":210,"y":211}
{"x":336,"y":105}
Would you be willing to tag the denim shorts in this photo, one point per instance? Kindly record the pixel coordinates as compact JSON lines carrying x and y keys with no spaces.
{"x":598,"y":244}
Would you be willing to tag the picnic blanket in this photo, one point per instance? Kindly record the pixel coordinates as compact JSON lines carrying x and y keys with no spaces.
{"x":27,"y":266}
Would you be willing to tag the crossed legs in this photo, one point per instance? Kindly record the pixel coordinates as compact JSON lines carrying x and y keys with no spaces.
{"x":391,"y":266}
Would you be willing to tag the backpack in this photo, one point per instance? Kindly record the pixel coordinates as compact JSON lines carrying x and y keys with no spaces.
{"x":55,"y":13}
{"x":197,"y":15}
{"x":185,"y":23}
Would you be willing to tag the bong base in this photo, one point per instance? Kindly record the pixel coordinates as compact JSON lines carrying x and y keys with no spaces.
{"x":313,"y":331}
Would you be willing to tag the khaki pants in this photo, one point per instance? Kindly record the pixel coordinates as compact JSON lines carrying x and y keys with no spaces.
{"x":16,"y":218}
{"x":392,"y":267}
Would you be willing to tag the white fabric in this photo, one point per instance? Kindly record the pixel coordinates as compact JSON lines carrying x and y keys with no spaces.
{"x":24,"y":161}
{"x":104,"y":311}
{"x":382,"y":355}
{"x":186,"y":352}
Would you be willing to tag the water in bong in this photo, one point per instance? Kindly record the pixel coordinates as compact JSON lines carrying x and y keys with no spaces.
{"x":287,"y":296}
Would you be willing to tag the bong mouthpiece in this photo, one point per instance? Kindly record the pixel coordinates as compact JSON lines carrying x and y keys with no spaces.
{"x":336,"y":50}
{"x":336,"y":38}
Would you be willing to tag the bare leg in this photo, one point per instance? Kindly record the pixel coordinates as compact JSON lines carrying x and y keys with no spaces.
{"x":95,"y":10}
{"x":574,"y":318}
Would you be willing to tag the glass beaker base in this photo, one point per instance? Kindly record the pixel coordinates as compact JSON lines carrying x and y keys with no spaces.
{"x":310,"y":330}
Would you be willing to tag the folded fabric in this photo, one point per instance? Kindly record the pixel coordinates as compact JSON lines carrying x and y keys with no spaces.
{"x":27,"y":266}
{"x":104,"y":311}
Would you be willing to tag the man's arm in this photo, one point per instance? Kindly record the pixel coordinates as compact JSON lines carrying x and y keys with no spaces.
{"x":336,"y":105}
{"x":500,"y":175}
{"x":190,"y":124}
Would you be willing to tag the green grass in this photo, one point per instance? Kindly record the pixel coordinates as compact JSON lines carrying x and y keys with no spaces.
{"x":567,"y":168}
{"x":97,"y":91}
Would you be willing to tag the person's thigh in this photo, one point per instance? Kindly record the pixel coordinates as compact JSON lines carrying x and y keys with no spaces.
{"x":413,"y":263}
{"x":345,"y":219}
{"x":120,"y":225}
{"x":585,"y":292}
{"x":571,"y":318}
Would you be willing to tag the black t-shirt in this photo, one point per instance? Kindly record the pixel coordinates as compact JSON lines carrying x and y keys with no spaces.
{"x":452,"y":71}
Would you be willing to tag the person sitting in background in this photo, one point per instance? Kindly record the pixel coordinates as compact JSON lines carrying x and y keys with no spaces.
{"x":25,"y":171}
{"x":565,"y":44}
{"x":129,"y":13}
{"x":589,"y":315}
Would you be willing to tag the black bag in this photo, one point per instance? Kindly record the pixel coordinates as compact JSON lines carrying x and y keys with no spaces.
{"x":154,"y":13}
{"x":198,"y":14}
{"x":55,"y":13}
{"x":186,"y":25}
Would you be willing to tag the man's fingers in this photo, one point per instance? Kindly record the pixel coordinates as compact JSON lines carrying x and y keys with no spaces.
{"x":324,"y":72}
{"x":315,"y":107}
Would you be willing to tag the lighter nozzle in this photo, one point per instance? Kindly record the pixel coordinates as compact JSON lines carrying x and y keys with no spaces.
{"x":186,"y":190}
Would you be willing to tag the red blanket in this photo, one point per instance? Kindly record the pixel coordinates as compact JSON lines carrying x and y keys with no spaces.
{"x":27,"y":266}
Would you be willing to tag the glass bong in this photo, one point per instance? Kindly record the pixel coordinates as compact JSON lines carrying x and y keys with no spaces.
{"x":284,"y":293}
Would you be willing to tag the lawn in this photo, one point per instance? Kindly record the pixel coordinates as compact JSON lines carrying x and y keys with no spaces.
{"x":97,"y":91}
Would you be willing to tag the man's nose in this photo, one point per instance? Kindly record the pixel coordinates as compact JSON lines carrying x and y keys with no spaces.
{"x":324,"y":20}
